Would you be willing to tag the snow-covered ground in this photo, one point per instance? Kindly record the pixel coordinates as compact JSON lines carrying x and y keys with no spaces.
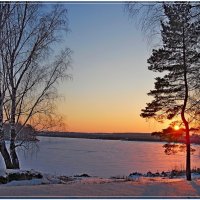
{"x":103,"y":158}
{"x":59,"y":159}
{"x":135,"y":186}
{"x":99,"y":187}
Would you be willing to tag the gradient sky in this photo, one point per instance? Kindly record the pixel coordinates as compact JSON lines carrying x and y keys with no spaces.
{"x":110,"y":75}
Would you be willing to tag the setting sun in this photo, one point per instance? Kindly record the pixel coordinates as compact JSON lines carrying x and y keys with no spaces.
{"x":176,"y":127}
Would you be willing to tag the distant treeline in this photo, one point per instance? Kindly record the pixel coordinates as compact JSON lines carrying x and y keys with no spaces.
{"x":195,"y":139}
{"x":104,"y":136}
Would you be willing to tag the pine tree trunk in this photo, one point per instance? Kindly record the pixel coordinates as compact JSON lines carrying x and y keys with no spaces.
{"x":188,"y":153}
{"x":188,"y":162}
{"x":187,"y":137}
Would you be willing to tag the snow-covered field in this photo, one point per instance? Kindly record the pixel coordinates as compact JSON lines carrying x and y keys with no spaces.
{"x":103,"y":158}
{"x":98,"y":187}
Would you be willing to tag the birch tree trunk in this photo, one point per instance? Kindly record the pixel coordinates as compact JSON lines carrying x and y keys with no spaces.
{"x":3,"y":148}
{"x":13,"y":154}
{"x":5,"y":11}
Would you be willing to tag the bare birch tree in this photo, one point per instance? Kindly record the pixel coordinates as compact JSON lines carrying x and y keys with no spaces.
{"x":5,"y":12}
{"x":31,"y":67}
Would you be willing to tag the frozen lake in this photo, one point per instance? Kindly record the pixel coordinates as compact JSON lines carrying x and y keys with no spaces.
{"x":105,"y":158}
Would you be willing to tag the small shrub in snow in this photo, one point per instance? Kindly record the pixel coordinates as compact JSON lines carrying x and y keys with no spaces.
{"x":150,"y":174}
{"x":3,"y":180}
{"x":18,"y":175}
{"x":135,"y":174}
{"x":82,"y":175}
{"x":164,"y":174}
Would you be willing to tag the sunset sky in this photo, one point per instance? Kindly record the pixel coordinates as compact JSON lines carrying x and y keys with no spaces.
{"x":110,"y":75}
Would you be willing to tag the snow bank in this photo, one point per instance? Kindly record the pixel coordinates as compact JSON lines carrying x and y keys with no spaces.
{"x":32,"y":177}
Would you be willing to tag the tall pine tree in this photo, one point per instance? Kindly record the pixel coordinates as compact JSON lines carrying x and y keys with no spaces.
{"x":178,"y":60}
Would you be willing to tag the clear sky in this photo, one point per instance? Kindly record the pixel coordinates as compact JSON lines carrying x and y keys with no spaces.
{"x":110,"y":75}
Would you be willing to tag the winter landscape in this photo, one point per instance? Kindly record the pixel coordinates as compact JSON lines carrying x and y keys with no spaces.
{"x":108,"y":168}
{"x":100,"y":99}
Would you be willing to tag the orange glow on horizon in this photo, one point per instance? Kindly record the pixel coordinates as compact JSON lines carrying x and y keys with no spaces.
{"x":107,"y":115}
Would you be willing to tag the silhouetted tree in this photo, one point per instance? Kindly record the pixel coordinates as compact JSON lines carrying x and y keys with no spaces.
{"x":175,"y":93}
{"x":148,"y":15}
{"x":5,"y":13}
{"x":31,"y":70}
{"x":175,"y":139}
